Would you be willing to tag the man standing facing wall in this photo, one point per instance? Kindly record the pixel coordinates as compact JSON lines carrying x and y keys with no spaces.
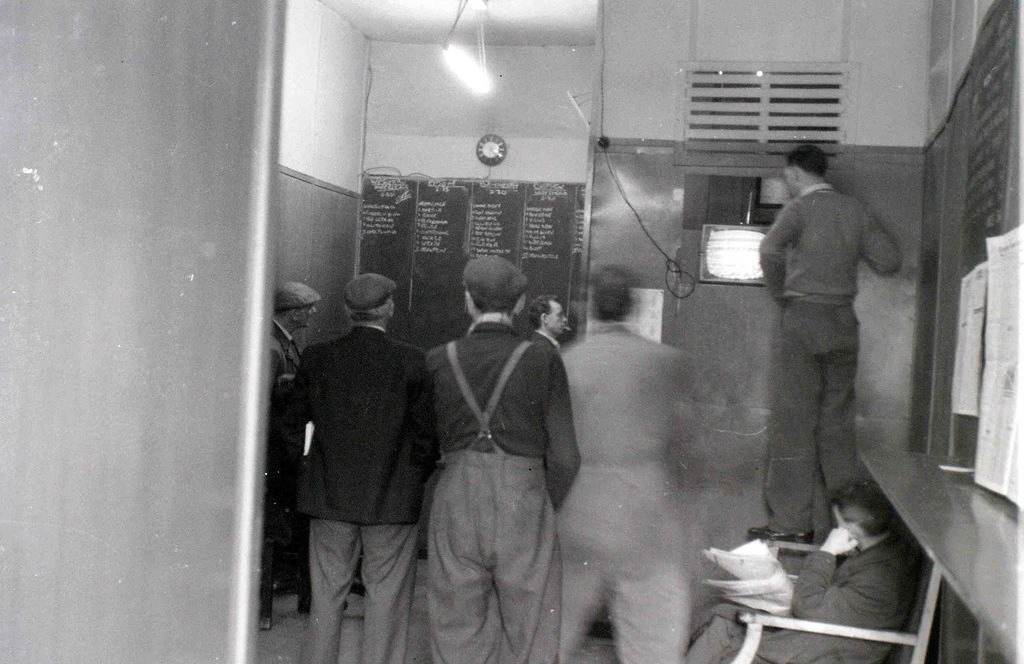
{"x":509,"y":455}
{"x":361,"y":483}
{"x":810,"y":258}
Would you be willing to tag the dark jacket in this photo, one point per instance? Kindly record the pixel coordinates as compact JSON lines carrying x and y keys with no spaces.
{"x":374,"y":444}
{"x":537,"y":336}
{"x":873,"y":589}
{"x":534,"y":416}
{"x":281,"y":461}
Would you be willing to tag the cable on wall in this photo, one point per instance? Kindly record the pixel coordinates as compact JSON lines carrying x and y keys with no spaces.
{"x":678,"y":282}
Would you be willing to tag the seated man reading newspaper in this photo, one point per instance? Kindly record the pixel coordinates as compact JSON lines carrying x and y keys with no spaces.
{"x":864,"y":575}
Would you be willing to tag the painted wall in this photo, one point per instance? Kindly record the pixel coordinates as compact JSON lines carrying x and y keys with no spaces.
{"x":137,"y":149}
{"x":323,"y":84}
{"x":887,"y":43}
{"x":314,"y":218}
{"x":420,"y":119}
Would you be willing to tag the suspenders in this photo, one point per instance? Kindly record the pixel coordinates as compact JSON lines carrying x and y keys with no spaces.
{"x":483,"y":418}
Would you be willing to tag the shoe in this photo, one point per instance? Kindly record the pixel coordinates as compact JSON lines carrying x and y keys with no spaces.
{"x":766,"y":533}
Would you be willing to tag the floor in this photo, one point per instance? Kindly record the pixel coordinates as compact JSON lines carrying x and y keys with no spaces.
{"x":280,"y":645}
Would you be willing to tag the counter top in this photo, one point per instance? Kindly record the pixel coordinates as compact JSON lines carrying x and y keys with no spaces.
{"x":969,"y":532}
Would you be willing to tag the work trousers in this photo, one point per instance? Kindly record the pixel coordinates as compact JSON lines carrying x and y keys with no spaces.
{"x":388,"y":573}
{"x":625,"y":543}
{"x":718,"y":642}
{"x":811,"y":427}
{"x":495,"y":570}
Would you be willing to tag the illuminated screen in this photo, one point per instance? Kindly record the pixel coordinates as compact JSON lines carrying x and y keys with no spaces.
{"x":729,"y":255}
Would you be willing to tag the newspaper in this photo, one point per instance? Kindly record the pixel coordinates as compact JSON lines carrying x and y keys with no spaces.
{"x":761,"y":582}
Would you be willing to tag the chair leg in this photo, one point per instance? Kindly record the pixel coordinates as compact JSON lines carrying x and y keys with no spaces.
{"x":267,"y":585}
{"x":750,"y":644}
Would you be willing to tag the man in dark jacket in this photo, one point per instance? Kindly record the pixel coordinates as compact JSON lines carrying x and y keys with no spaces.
{"x":873,"y":587}
{"x":361,"y":480}
{"x":548,"y":319}
{"x":495,"y":570}
{"x":283,"y":529}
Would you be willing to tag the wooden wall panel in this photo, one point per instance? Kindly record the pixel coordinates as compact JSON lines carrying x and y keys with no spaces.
{"x":947,"y":302}
{"x":316,"y":230}
{"x":927,"y":292}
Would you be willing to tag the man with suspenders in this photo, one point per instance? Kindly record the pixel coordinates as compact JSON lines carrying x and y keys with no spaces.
{"x":509,"y":456}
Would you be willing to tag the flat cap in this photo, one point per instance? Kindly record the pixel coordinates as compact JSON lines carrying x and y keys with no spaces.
{"x":368,"y":291}
{"x":493,"y":282}
{"x":294,"y":295}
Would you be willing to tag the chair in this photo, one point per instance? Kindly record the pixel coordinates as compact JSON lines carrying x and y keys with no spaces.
{"x":919,"y":624}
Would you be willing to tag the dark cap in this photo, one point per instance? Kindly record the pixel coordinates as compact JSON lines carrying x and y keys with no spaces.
{"x":294,"y":295}
{"x":368,"y":291}
{"x":494,"y":283}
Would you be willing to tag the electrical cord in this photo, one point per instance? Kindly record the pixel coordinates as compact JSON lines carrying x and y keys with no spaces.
{"x":458,"y":14}
{"x":674,"y":282}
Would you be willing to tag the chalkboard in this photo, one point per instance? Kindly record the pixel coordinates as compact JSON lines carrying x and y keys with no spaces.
{"x":549,"y":227}
{"x":992,"y":120}
{"x":386,"y":211}
{"x":439,"y":242}
{"x":421,"y":233}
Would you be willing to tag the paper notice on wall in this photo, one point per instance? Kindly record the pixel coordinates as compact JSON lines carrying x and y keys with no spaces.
{"x":967,"y":364}
{"x":645,"y":317}
{"x":997,"y":419}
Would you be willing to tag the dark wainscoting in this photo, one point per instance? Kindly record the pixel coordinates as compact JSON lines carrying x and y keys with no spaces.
{"x":316,"y":230}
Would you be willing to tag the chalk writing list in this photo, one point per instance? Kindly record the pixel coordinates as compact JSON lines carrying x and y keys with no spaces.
{"x":494,"y":219}
{"x":991,"y":105}
{"x":421,"y":233}
{"x":549,"y":226}
{"x":431,"y":227}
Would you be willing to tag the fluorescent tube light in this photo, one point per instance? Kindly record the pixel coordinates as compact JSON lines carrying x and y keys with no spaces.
{"x":467,"y":69}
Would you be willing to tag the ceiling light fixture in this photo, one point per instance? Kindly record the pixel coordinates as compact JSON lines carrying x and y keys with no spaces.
{"x":471,"y":71}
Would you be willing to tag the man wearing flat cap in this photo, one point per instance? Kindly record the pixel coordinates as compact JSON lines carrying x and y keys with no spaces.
{"x":294,"y":304}
{"x":361,"y":482}
{"x":509,"y":457}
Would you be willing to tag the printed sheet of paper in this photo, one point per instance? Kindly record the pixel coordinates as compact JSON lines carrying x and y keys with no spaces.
{"x":308,"y":441}
{"x":967,"y":365}
{"x":997,"y":424}
{"x":761,"y":581}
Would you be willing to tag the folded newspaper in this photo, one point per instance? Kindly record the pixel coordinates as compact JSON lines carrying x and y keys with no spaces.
{"x":761,"y":582}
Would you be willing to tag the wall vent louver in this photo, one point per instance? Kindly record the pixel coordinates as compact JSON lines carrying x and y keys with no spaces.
{"x":761,"y":108}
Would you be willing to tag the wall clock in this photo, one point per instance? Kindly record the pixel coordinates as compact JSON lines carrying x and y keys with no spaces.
{"x":491,"y":149}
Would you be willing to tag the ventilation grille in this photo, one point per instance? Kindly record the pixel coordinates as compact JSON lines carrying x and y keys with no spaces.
{"x":763,"y":108}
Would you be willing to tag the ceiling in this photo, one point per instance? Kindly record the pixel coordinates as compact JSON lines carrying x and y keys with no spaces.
{"x":509,"y":22}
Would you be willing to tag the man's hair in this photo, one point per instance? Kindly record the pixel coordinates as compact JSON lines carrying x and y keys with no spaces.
{"x":486,"y":303}
{"x":809,"y":158}
{"x":539,"y":306}
{"x":879,"y":515}
{"x":369,"y":315}
{"x":610,"y":287}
